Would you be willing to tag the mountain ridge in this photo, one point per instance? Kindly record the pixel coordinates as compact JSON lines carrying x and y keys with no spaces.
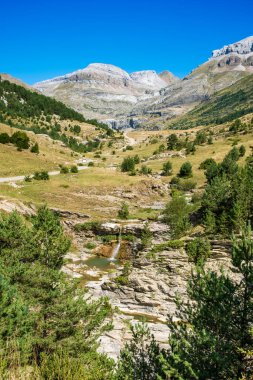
{"x":108,"y":93}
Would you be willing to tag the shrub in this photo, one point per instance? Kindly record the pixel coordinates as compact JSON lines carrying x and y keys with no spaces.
{"x":176,"y":215}
{"x":91,"y":164}
{"x":77,"y":129}
{"x":129,"y":147}
{"x":173,"y":142}
{"x":64,"y":170}
{"x":167,"y":168}
{"x":190,"y":147}
{"x":186,"y":185}
{"x":172,"y":244}
{"x":4,"y":138}
{"x":205,"y":164}
{"x":90,"y":245}
{"x":123,"y":212}
{"x":174,"y":181}
{"x":35,"y":148}
{"x":87,"y":226}
{"x":201,"y":138}
{"x":20,"y":139}
{"x":137,"y":159}
{"x":41,"y":176}
{"x":145,"y":170}
{"x":185,"y":170}
{"x":74,"y":169}
{"x":128,"y":164}
{"x":242,"y":150}
{"x":146,"y":236}
{"x":198,"y":250}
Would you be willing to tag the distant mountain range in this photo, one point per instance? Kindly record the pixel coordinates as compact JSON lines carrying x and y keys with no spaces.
{"x":109,"y":93}
{"x":105,"y":91}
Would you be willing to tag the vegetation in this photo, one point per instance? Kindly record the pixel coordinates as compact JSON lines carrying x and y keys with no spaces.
{"x":212,"y":339}
{"x":35,"y":148}
{"x":176,"y":214}
{"x":123,"y":212}
{"x":198,"y":250}
{"x":20,"y":139}
{"x":224,"y":106}
{"x":41,"y":176}
{"x":128,"y":164}
{"x":185,"y":170}
{"x":44,"y":319}
{"x":167,"y":168}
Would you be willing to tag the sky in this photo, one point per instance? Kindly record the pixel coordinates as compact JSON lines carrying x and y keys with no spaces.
{"x":44,"y":39}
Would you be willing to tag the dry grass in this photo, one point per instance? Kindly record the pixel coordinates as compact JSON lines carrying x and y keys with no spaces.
{"x":52,"y":153}
{"x":99,"y":191}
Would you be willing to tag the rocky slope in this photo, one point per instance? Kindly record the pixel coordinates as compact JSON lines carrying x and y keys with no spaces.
{"x":5,"y":76}
{"x":224,"y":68}
{"x":152,"y":285}
{"x":102,"y":90}
{"x":109,"y":93}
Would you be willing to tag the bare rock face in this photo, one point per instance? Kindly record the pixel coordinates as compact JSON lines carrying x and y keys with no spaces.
{"x":225,"y":67}
{"x":124,"y":100}
{"x":242,"y":47}
{"x":103,"y":90}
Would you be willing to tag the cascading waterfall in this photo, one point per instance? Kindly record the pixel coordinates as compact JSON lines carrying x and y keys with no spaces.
{"x":116,"y":248}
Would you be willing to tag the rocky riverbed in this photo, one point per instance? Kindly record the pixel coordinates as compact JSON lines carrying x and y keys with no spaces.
{"x":149,"y":289}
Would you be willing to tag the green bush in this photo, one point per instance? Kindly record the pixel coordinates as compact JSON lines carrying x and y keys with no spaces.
{"x":167,"y":168}
{"x":146,"y":236}
{"x":176,"y":215}
{"x":185,"y":170}
{"x":74,"y":169}
{"x":64,"y":170}
{"x":35,"y":148}
{"x":123,"y":212}
{"x":90,"y":245}
{"x":20,"y":139}
{"x":128,"y":164}
{"x":173,"y":142}
{"x":41,"y":176}
{"x":28,"y":178}
{"x":186,"y":185}
{"x":4,"y":138}
{"x":87,"y":226}
{"x":198,"y":250}
{"x":172,"y":244}
{"x":145,"y":170}
{"x":200,"y":138}
{"x":207,"y":163}
{"x":242,"y":150}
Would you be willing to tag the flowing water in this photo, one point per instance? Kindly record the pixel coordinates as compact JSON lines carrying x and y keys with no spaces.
{"x":115,"y":251}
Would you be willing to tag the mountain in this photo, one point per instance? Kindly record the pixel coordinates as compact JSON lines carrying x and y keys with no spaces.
{"x":111,"y":94}
{"x":225,"y":105}
{"x":11,"y":79}
{"x":105,"y":91}
{"x":225,"y":67}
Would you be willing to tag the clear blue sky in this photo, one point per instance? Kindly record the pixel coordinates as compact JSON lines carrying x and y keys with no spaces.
{"x":42,"y":39}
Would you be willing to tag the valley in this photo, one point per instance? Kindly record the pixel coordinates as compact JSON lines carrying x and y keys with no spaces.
{"x":126,"y":202}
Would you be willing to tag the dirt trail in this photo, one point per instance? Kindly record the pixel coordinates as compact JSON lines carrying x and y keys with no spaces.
{"x":22,"y":177}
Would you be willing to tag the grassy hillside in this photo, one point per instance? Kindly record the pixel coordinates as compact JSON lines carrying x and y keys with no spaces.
{"x":30,"y":111}
{"x":226,"y":105}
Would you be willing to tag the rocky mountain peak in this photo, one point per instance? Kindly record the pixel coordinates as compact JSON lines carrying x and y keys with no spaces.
{"x":242,"y":47}
{"x":168,"y":77}
{"x":148,"y":78}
